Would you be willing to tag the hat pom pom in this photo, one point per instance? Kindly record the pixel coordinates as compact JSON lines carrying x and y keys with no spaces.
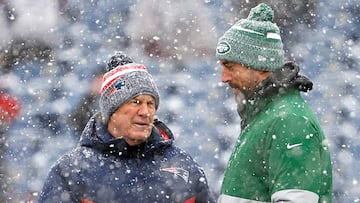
{"x":262,"y":12}
{"x":118,"y":59}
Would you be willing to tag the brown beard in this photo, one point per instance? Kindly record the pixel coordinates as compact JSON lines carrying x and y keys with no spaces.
{"x":240,"y":100}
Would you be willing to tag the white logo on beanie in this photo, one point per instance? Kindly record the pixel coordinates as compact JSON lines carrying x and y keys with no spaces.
{"x":223,"y":48}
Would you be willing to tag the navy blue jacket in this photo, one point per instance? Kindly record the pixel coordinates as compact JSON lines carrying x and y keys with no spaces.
{"x":103,"y":169}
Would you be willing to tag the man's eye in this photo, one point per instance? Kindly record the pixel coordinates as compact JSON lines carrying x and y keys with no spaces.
{"x":229,"y":66}
{"x":152,"y":103}
{"x":135,"y":101}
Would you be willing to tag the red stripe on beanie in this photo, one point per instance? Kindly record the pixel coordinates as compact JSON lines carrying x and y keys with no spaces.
{"x":117,"y":71}
{"x":122,"y":68}
{"x":108,"y":84}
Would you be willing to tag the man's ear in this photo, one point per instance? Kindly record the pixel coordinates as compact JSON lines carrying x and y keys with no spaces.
{"x":265,"y":74}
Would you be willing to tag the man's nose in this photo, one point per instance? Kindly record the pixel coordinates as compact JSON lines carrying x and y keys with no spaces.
{"x":144,"y":109}
{"x":225,"y":75}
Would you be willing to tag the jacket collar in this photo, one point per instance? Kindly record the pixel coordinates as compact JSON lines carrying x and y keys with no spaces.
{"x":279,"y":83}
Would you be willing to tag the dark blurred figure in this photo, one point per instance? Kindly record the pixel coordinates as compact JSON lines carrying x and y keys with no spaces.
{"x":185,"y":32}
{"x":88,"y":105}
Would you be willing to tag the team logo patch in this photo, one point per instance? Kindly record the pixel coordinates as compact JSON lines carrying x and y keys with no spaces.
{"x":182,"y":173}
{"x":118,"y":86}
{"x":223,"y":48}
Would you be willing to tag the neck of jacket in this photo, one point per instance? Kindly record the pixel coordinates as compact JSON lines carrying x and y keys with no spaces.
{"x":279,"y":83}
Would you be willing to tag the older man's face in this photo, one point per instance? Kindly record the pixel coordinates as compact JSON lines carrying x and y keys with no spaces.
{"x":133,"y":120}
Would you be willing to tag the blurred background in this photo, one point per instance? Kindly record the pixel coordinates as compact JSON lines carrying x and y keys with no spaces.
{"x":53,"y":52}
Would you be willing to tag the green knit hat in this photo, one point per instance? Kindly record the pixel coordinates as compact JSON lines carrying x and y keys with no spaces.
{"x":254,"y":42}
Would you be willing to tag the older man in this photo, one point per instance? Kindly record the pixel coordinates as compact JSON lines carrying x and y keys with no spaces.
{"x":125,"y":154}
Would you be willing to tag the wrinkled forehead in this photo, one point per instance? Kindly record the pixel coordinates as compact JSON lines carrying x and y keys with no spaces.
{"x":144,"y":96}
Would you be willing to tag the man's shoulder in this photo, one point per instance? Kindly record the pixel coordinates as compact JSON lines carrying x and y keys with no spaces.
{"x":75,"y":155}
{"x":180,"y":155}
{"x":288,"y":104}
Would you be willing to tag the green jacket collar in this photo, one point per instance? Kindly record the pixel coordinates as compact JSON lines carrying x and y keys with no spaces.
{"x":279,"y":83}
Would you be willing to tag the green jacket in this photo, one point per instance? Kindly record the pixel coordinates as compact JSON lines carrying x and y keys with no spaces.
{"x":282,"y":153}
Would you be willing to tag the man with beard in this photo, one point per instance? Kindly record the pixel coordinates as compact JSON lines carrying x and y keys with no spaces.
{"x":282,"y":153}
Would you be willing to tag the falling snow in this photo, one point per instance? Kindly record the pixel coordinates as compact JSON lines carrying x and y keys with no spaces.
{"x":52,"y":52}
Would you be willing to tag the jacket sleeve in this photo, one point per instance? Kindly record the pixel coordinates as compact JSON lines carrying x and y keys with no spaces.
{"x":56,"y":187}
{"x":204,"y":194}
{"x":295,"y":161}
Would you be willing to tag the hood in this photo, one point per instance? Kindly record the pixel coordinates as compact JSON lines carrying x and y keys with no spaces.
{"x":283,"y":79}
{"x":96,"y":136}
{"x":280,"y":82}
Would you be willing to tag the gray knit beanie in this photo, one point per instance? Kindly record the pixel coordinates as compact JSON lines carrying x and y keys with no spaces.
{"x":254,"y":42}
{"x":124,"y":80}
